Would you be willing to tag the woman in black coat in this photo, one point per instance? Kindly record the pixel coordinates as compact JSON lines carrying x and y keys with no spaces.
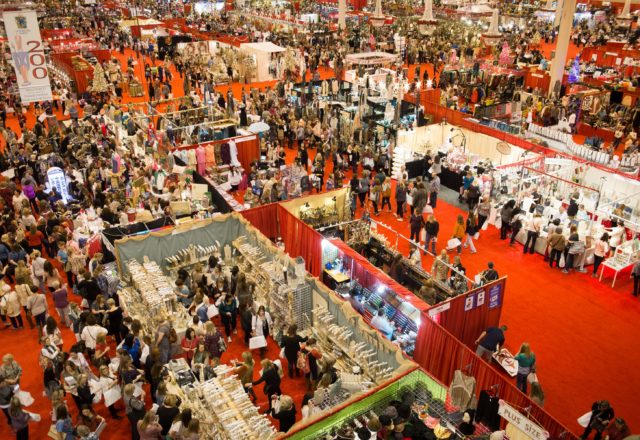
{"x":291,"y":344}
{"x":271,"y":378}
{"x":286,"y":414}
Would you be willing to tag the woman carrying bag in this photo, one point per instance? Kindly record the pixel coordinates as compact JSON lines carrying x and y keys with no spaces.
{"x":261,"y":326}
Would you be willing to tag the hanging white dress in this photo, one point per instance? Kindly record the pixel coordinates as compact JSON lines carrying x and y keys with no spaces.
{"x":233,"y":151}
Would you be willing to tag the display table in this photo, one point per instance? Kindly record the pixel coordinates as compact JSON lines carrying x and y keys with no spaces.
{"x":333,"y":278}
{"x":627,"y":254}
{"x":451,"y":179}
{"x":506,"y":361}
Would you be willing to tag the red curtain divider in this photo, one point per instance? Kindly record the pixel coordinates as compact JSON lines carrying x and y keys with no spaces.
{"x":441,"y":354}
{"x":301,"y":240}
{"x":466,"y":325}
{"x":265,"y":219}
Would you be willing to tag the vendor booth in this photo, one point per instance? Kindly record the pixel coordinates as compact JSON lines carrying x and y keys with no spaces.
{"x":364,"y":360}
{"x":265,"y":55}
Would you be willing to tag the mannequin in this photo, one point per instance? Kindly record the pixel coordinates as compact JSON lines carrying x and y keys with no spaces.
{"x":201,"y":159}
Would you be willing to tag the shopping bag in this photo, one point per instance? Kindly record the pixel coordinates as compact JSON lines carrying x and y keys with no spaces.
{"x":112,"y":395}
{"x":476,"y":235}
{"x":282,"y":353}
{"x":25,"y":398}
{"x":427,"y":209}
{"x":532,"y":378}
{"x":257,"y":342}
{"x":584,"y":419}
{"x":498,"y":222}
{"x":453,"y":243}
{"x":409,"y":200}
{"x":278,"y":362}
{"x":212,"y":311}
{"x":485,"y":225}
{"x":33,"y":416}
{"x":54,"y":434}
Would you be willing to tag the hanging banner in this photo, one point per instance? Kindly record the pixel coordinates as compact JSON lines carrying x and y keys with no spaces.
{"x":28,"y":56}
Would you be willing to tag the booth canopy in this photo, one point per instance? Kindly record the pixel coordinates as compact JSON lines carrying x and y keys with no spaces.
{"x":265,"y":46}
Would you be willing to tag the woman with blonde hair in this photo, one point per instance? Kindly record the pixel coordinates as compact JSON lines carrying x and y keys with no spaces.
{"x":526,"y":364}
{"x":134,"y":408}
{"x":459,"y":231}
{"x":149,"y":428}
{"x":244,"y":371}
{"x":285,"y":413}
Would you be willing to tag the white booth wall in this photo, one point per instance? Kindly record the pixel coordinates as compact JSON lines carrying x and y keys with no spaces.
{"x":438,"y":135}
{"x":262,"y":53}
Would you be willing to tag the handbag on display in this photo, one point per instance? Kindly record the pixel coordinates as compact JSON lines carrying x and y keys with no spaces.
{"x":532,"y":378}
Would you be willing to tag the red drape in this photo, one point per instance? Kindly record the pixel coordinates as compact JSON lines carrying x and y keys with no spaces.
{"x":441,"y":354}
{"x":467,"y":325}
{"x":265,"y":219}
{"x":301,"y":240}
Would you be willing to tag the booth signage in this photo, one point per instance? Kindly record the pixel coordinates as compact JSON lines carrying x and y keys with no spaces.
{"x":469,"y":302}
{"x":27,"y":52}
{"x":525,"y":425}
{"x":439,"y":309}
{"x":474,"y":300}
{"x":58,"y":180}
{"x":495,"y":293}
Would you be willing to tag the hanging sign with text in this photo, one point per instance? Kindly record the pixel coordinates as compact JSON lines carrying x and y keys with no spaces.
{"x":530,"y":429}
{"x":27,"y":52}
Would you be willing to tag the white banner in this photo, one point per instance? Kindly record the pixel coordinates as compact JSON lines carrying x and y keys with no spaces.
{"x":28,"y":56}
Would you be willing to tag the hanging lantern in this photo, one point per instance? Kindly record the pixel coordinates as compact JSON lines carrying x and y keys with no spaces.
{"x":378,"y":19}
{"x":427,"y":24}
{"x":493,"y":36}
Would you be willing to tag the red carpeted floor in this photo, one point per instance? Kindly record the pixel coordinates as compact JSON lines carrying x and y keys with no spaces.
{"x":583,"y":332}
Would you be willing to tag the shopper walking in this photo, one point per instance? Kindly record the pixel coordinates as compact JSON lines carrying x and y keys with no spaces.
{"x":471,"y":229}
{"x":244,"y":371}
{"x":228,"y":311}
{"x":271,"y":379}
{"x":484,"y":210}
{"x":432,"y":227}
{"x":575,"y":249}
{"x":19,"y":419}
{"x":401,"y":198}
{"x":285,"y":413}
{"x":416,"y":222}
{"x":261,"y":324}
{"x":506,"y":214}
{"x":459,"y":231}
{"x":291,"y":347}
{"x":363,"y":187}
{"x":526,"y":365}
{"x":601,"y":415}
{"x":374,"y":196}
{"x":386,"y":194}
{"x":434,"y":189}
{"x":533,"y":232}
{"x":517,"y":221}
{"x":556,"y":243}
{"x":600,"y":252}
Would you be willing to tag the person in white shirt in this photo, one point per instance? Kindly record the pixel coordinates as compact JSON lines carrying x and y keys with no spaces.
{"x":381,"y":322}
{"x":90,"y":333}
{"x":533,"y":232}
{"x":582,"y":215}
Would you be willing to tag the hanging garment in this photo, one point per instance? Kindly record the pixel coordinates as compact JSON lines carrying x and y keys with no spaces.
{"x":462,"y":390}
{"x":335,"y":87}
{"x":191,"y":158}
{"x":225,"y":153}
{"x":210,"y":157}
{"x":233,"y":153}
{"x":487,"y":412}
{"x":201,"y":159}
{"x":324,"y":88}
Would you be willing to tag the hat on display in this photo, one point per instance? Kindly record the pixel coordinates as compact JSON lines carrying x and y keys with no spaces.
{"x":345,"y":433}
{"x":442,"y":432}
{"x":374,"y":424}
{"x":391,"y":411}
